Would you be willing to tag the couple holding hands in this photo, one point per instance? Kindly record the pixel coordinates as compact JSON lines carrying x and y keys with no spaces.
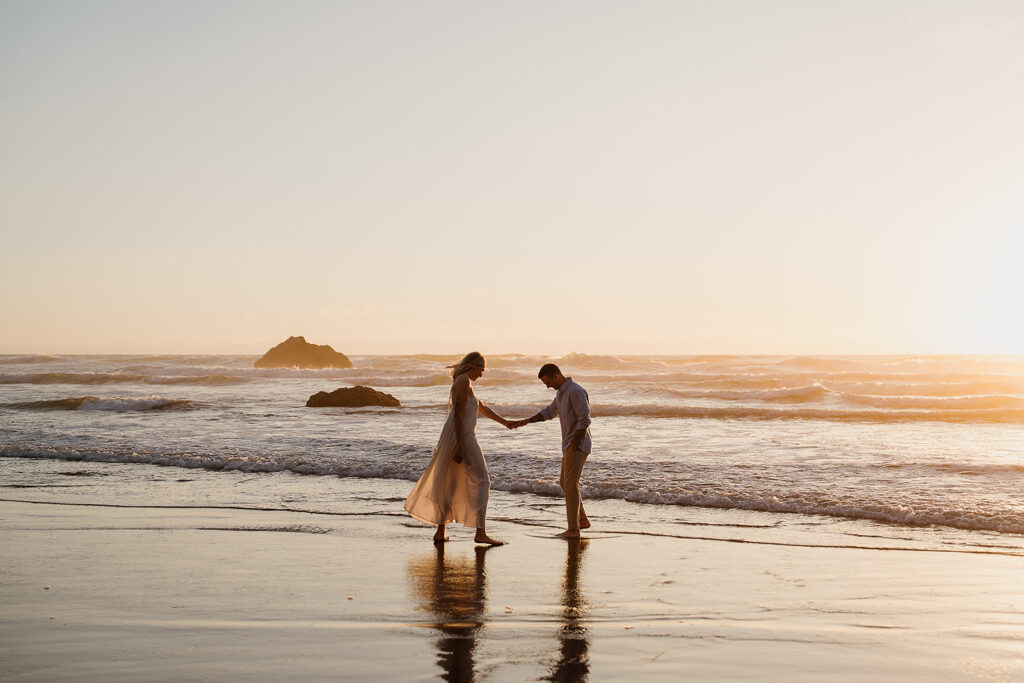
{"x":455,"y":485}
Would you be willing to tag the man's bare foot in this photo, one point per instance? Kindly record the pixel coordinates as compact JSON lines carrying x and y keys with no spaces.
{"x":584,"y":523}
{"x":484,"y":538}
{"x":569,"y":533}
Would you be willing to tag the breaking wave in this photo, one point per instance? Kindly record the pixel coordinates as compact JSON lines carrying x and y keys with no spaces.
{"x":892,"y":513}
{"x":805,"y":394}
{"x":959,"y":403}
{"x":738,"y":412}
{"x":111,"y":404}
{"x":832,"y":414}
{"x":94,"y":378}
{"x":522,"y":474}
{"x":27,"y":360}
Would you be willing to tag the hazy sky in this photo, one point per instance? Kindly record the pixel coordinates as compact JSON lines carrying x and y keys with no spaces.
{"x":601,"y":177}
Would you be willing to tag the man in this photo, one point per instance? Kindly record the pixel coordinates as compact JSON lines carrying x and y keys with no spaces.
{"x":572,"y":406}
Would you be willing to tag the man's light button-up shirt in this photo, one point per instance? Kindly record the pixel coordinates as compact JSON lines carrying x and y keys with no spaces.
{"x":572,"y":406}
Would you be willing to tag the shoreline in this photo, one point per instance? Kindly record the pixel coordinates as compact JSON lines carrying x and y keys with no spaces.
{"x":544,"y":488}
{"x":230,"y":592}
{"x":613,"y":531}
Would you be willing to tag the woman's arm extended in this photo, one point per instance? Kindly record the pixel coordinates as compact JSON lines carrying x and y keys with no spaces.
{"x":487,"y":412}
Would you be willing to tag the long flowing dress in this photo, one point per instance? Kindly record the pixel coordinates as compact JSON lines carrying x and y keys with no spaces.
{"x":449,"y":491}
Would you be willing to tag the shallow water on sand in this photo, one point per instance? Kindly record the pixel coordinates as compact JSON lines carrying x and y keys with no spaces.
{"x":186,"y":573}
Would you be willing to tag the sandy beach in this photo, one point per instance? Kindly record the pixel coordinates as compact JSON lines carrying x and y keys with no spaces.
{"x":143,"y":592}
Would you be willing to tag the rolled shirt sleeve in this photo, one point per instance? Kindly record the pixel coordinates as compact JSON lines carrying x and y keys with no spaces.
{"x":551,"y":412}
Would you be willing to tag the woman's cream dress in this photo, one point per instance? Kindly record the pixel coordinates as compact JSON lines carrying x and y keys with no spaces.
{"x":449,"y":491}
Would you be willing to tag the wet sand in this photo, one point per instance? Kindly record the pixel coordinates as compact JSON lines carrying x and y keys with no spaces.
{"x":139,"y":593}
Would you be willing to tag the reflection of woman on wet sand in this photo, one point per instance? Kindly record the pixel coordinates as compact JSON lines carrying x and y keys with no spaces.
{"x":454,"y":592}
{"x":573,"y":662}
{"x":455,"y":485}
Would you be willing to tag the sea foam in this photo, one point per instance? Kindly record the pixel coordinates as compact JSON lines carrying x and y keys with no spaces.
{"x":513,"y":473}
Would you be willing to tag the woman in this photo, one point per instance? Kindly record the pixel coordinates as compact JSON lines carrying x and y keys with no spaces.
{"x":455,"y":486}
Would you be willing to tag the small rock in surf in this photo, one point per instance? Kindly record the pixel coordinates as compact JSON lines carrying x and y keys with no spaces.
{"x":352,"y":397}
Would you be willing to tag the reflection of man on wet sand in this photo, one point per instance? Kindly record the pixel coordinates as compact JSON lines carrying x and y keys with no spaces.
{"x":453,"y":590}
{"x":573,"y":662}
{"x":572,"y":406}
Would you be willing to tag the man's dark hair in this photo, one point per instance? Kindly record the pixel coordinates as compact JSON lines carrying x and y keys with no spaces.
{"x":548,"y":370}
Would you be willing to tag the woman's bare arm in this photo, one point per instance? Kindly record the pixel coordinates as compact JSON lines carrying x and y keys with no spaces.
{"x":487,"y":412}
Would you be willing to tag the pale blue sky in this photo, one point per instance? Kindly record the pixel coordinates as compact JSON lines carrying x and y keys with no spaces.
{"x":627,"y":177}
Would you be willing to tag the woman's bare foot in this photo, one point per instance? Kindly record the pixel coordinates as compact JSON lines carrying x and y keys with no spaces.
{"x":584,"y":523}
{"x":482,"y":537}
{"x":569,"y":533}
{"x":439,"y":536}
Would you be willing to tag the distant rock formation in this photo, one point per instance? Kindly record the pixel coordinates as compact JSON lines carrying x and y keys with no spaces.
{"x":352,"y":397}
{"x":296,"y":352}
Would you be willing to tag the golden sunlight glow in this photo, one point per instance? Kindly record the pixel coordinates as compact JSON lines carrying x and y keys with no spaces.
{"x":682,"y":179}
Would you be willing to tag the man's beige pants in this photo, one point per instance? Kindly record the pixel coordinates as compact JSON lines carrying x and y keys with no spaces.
{"x":572,"y":467}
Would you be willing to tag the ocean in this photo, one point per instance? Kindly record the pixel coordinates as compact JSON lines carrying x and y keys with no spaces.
{"x":900,"y":449}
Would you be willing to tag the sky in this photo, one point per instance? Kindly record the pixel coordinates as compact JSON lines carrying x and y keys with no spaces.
{"x":819,"y":177}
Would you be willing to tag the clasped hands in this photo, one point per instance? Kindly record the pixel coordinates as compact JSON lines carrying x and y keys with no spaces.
{"x":511,"y":424}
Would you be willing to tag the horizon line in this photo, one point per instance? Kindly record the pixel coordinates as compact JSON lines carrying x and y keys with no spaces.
{"x":521,"y":353}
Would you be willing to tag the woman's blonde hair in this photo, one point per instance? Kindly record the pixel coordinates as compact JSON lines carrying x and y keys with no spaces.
{"x":473,"y":359}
